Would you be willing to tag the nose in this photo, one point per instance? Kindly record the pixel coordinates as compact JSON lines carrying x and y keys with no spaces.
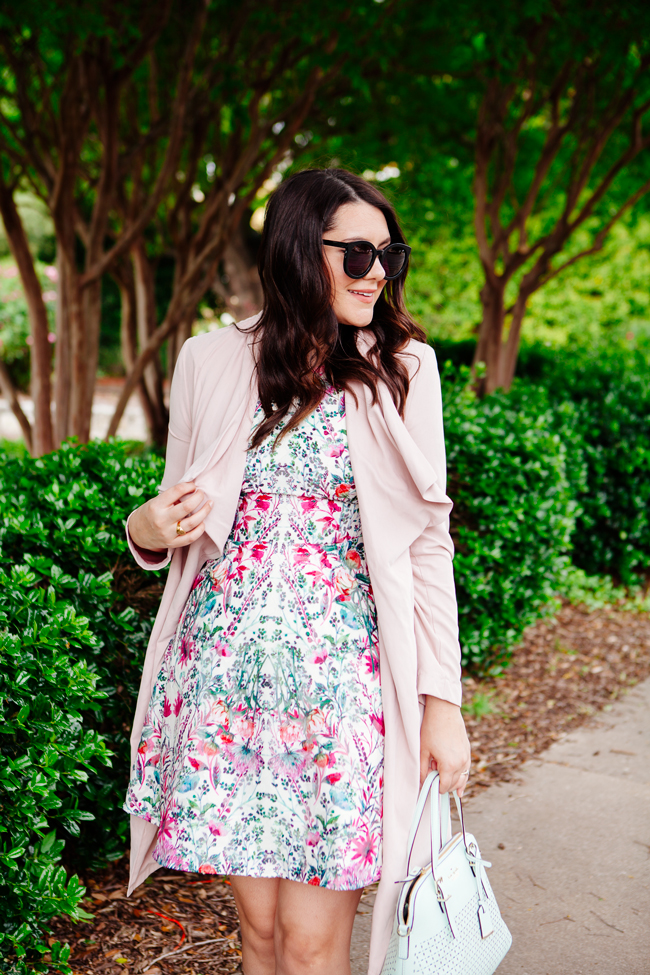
{"x":377,"y":271}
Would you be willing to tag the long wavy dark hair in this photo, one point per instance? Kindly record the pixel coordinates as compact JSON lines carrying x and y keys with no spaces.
{"x":299,"y":343}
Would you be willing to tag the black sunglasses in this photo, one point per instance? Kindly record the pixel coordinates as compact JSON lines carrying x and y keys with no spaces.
{"x":360,"y":255}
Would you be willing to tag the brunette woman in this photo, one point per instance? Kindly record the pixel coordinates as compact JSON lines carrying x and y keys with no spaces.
{"x":303,"y":674}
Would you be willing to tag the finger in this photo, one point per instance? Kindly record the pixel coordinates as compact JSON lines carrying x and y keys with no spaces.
{"x":182,"y":508}
{"x":190,"y":522}
{"x":173,"y":494}
{"x":180,"y":541}
{"x":460,"y":782}
{"x":427,"y":763}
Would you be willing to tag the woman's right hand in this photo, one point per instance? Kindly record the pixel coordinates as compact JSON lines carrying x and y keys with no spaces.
{"x":153,"y":525}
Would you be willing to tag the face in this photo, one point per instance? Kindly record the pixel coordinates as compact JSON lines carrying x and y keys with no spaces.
{"x":355,"y":298}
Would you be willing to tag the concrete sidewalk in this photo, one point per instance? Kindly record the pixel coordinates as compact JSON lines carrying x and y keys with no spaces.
{"x":570,"y":848}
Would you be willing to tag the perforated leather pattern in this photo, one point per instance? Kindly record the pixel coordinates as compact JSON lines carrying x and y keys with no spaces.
{"x":467,"y":954}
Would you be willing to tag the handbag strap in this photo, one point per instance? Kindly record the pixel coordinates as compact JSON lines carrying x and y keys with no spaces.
{"x":440,"y":808}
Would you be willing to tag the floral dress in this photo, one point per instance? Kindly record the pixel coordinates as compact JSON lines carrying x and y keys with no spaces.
{"x":262,"y":748}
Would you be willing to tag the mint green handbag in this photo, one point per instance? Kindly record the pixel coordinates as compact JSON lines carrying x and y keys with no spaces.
{"x":447,"y":920}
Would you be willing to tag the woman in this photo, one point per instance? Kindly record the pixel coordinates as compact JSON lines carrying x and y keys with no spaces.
{"x":303,"y":675}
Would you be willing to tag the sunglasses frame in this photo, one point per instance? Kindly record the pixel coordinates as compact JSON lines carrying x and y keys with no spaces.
{"x":376,"y":253}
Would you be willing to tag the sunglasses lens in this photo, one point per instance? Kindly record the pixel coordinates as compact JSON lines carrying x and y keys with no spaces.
{"x":394,"y":260}
{"x":359,"y":259}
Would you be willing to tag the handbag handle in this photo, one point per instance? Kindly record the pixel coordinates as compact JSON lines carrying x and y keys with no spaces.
{"x":439,"y":813}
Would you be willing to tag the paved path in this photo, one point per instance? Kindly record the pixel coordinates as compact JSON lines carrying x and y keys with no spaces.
{"x":570,"y":848}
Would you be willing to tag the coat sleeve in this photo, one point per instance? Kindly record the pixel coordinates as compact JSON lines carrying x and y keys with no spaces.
{"x":436,"y":613}
{"x":178,"y":443}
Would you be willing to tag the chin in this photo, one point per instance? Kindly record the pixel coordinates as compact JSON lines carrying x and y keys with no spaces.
{"x":357,"y":321}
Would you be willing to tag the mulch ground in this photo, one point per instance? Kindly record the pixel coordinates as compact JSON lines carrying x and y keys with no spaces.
{"x":567,"y":669}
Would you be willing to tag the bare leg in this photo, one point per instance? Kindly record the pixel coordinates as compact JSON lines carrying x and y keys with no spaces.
{"x":290,"y":928}
{"x":313,"y":929}
{"x":256,"y":899}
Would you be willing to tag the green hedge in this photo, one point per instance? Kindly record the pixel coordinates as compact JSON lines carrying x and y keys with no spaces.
{"x":70,"y":507}
{"x":610,"y":387}
{"x":514,"y":511}
{"x":47,"y":754}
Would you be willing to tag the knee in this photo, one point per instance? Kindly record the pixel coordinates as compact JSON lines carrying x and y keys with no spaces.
{"x":259,"y":932}
{"x":301,"y":952}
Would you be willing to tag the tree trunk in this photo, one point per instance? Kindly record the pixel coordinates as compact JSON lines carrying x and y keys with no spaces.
{"x":490,"y":337}
{"x":129,"y":340}
{"x":91,"y":323}
{"x":62,"y":359}
{"x":146,"y":326}
{"x":79,"y":420}
{"x":510,"y":350}
{"x":9,"y":391}
{"x":242,"y":288}
{"x":177,"y":339}
{"x":41,"y":436}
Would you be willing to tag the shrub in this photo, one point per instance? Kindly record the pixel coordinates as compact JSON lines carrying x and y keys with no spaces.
{"x":45,"y":685}
{"x":68,"y":508}
{"x":610,"y":387}
{"x":514,"y":511}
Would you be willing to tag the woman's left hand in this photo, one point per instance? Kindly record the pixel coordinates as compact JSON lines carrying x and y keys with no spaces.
{"x":444,"y":745}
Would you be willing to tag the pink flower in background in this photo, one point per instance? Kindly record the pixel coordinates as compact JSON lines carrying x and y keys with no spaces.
{"x":51,"y":273}
{"x":51,"y":337}
{"x":29,"y":340}
{"x":49,"y":296}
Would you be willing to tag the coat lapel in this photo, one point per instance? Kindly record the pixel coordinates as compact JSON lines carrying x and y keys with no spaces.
{"x":399,"y":493}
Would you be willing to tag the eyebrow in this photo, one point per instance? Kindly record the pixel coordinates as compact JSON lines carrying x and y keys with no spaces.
{"x":350,"y":240}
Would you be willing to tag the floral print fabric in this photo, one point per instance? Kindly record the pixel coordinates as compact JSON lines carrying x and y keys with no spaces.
{"x":262,"y":749}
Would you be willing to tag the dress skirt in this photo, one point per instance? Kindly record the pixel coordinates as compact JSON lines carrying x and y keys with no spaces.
{"x":262,"y":748}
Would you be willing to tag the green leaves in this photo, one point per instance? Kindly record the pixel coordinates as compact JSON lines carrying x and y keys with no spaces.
{"x":514,"y":512}
{"x":46,"y":753}
{"x":71,"y":647}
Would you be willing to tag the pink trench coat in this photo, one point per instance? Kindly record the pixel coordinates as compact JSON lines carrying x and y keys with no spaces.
{"x":399,"y":471}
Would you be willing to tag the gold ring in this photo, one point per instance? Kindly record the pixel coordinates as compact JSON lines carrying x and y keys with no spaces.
{"x":179,"y":530}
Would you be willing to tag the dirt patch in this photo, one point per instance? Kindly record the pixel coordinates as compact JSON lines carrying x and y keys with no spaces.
{"x":566,"y":670}
{"x":190,"y":918}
